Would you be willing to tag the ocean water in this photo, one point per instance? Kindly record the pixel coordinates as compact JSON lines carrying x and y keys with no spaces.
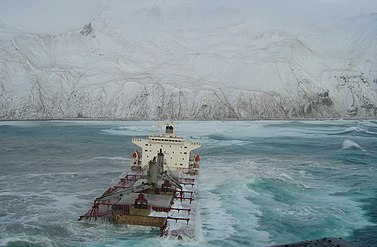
{"x":261,"y":182}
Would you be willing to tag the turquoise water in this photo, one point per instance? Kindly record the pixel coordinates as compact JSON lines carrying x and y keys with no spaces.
{"x":261,"y":183}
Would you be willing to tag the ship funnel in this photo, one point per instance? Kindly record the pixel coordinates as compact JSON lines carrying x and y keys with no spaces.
{"x":169,"y":129}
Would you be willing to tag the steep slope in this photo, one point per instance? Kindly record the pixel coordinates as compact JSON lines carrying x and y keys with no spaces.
{"x":153,"y":63}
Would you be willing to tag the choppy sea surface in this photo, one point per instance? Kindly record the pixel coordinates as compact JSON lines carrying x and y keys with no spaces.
{"x":261,"y":183}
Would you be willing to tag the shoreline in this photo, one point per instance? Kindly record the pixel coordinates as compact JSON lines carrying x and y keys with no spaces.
{"x":184,"y":120}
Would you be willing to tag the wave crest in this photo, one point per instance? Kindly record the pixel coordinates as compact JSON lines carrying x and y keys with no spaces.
{"x":27,"y":241}
{"x":356,"y":129}
{"x":347,"y":144}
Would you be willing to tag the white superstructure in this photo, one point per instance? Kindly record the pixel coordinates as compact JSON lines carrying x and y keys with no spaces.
{"x":177,"y":151}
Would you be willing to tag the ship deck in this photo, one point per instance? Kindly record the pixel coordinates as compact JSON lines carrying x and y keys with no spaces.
{"x":155,"y":200}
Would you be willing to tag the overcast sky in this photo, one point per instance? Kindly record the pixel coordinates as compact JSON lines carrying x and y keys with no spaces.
{"x":42,"y":15}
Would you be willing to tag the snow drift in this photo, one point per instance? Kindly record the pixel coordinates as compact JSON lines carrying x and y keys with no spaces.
{"x":136,"y":60}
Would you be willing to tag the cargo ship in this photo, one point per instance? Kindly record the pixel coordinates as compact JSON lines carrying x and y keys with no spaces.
{"x":159,"y":191}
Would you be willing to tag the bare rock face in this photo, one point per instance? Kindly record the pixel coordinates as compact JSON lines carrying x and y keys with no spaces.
{"x":88,"y":31}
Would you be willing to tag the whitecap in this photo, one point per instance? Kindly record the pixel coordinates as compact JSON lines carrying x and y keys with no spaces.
{"x":356,"y":129}
{"x":347,"y":144}
{"x":26,"y":241}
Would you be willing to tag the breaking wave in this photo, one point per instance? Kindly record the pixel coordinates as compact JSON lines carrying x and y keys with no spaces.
{"x":27,"y":241}
{"x":133,"y":130}
{"x":356,"y":130}
{"x":347,"y":144}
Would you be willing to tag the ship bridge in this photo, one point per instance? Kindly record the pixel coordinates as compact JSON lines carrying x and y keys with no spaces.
{"x":177,"y":151}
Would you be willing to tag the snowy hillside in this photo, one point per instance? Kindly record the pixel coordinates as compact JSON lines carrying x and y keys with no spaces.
{"x":137,"y":60}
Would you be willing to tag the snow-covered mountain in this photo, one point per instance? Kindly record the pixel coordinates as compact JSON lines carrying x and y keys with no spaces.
{"x":137,"y":60}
